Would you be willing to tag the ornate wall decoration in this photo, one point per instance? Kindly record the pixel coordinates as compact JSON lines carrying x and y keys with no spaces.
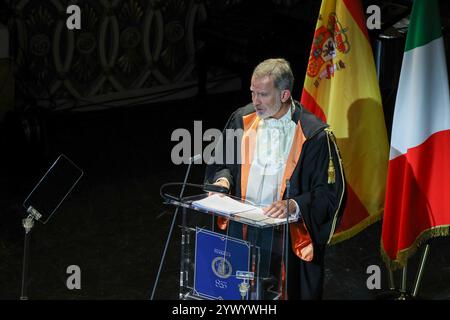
{"x":34,"y":53}
{"x":124,"y":47}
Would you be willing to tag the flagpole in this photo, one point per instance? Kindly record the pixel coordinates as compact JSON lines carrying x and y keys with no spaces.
{"x":391,"y":280}
{"x":403,"y":293}
{"x":420,"y":271}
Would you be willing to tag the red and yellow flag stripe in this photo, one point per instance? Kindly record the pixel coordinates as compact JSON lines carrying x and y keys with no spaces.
{"x":341,"y":87}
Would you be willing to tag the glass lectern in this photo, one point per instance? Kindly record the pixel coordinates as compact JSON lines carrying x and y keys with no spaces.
{"x":225,"y":256}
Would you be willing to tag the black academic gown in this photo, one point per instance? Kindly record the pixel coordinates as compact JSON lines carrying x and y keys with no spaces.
{"x":321,"y":203}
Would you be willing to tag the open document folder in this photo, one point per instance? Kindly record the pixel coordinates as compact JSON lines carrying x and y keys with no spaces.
{"x":227,"y":206}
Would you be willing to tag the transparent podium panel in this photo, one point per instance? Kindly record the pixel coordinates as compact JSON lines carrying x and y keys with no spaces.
{"x":52,"y":189}
{"x":43,"y":201}
{"x":227,"y":257}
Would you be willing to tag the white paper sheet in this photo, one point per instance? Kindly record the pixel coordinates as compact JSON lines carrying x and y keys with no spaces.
{"x":228,"y":206}
{"x":225,"y":205}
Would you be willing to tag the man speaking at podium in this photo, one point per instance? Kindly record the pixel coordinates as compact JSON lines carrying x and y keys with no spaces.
{"x":279,"y":141}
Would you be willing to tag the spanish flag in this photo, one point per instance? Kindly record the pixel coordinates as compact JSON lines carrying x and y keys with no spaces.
{"x":341,"y":88}
{"x":418,"y":183}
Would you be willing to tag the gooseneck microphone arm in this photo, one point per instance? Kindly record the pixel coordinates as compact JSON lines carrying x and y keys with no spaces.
{"x":206,"y":187}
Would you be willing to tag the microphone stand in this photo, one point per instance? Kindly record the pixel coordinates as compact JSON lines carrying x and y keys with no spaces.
{"x":28,"y":224}
{"x":191,"y":160}
{"x":286,"y":229}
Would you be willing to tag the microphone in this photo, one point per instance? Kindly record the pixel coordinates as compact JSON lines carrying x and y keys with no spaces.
{"x":215,"y":188}
{"x":206,"y":187}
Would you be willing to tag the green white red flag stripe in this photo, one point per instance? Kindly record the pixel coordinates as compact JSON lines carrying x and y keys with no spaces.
{"x":418,"y":185}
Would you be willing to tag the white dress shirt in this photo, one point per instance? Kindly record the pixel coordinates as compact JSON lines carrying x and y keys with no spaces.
{"x":273,"y":143}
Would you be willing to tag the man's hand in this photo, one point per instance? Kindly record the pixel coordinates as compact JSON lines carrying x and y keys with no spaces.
{"x":223,"y":183}
{"x":278,"y":209}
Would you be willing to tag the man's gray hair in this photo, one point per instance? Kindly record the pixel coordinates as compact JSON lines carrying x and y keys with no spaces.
{"x":279,"y":70}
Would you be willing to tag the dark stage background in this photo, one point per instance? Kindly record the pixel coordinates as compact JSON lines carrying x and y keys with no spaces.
{"x":109,"y":96}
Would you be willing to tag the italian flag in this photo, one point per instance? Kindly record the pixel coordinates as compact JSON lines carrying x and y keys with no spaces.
{"x":341,"y":88}
{"x":418,"y":185}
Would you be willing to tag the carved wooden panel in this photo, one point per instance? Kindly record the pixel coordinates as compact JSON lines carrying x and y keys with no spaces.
{"x":124,"y":46}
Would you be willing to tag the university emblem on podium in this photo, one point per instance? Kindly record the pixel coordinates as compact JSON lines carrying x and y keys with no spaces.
{"x":217,"y":259}
{"x":328,"y":40}
{"x":221,"y":267}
